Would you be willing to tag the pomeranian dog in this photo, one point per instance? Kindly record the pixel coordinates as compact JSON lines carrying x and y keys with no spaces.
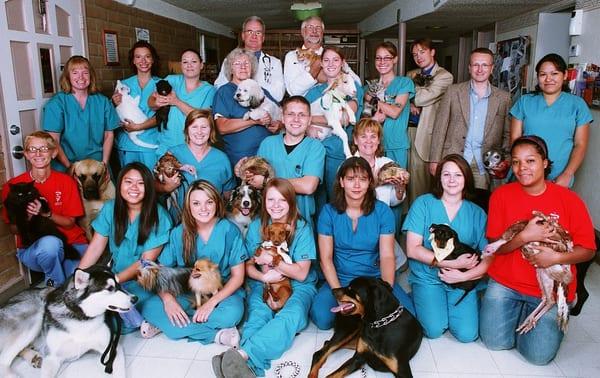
{"x":205,"y":281}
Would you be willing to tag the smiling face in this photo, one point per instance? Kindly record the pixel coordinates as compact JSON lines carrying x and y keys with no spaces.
{"x":202,"y":207}
{"x":550,"y":78}
{"x":79,"y":77}
{"x":480,"y":67}
{"x":332,"y":63}
{"x":384,"y":61}
{"x":312,"y":32}
{"x":276,"y":205}
{"x":423,"y":56}
{"x":191,"y":64}
{"x":198,"y":132}
{"x":38,"y":153}
{"x":132,"y":188}
{"x":142,"y":59}
{"x":355,"y":184}
{"x":452,"y":179}
{"x":241,"y":68}
{"x":296,"y":118}
{"x":528,"y":165}
{"x":367,"y":143}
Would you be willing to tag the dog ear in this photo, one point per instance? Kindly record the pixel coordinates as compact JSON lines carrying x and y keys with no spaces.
{"x":81,"y":279}
{"x":72,"y":169}
{"x":256,"y":100}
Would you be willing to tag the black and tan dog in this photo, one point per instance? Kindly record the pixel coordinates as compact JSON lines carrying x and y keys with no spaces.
{"x":369,"y":316}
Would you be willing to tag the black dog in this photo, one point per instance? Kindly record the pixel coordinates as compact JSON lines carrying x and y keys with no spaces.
{"x":162,"y":114}
{"x":441,"y":235}
{"x":30,"y":230}
{"x":387,"y":336}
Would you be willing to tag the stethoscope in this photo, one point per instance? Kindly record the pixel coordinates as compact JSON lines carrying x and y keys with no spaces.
{"x":267,"y":68}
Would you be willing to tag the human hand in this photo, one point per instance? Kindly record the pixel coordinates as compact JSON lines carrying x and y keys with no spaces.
{"x":33,"y":208}
{"x":535,"y":231}
{"x":465,"y":261}
{"x":203,"y":312}
{"x":272,"y":276}
{"x":432,"y":168}
{"x":451,"y":276}
{"x":175,"y":312}
{"x":313,"y":131}
{"x":130,"y":126}
{"x":189,"y":169}
{"x":171,"y":183}
{"x":379,"y":116}
{"x":265,"y":121}
{"x":117,"y":98}
{"x":414,"y":110}
{"x":275,"y":126}
{"x":544,"y":258}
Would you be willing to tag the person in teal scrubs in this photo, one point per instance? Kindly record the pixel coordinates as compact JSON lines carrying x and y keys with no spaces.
{"x":435,"y":301}
{"x":189,"y":92}
{"x":333,"y":63}
{"x":267,"y":334}
{"x":201,"y":159}
{"x":392,"y":112}
{"x":560,"y":118}
{"x":133,"y":227}
{"x":143,"y":60}
{"x":356,"y":238}
{"x":203,"y":234}
{"x":79,"y":118}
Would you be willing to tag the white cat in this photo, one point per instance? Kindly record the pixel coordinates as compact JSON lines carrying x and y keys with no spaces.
{"x":129,"y":110}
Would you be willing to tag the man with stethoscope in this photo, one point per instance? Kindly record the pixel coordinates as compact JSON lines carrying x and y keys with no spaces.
{"x":269,"y":73}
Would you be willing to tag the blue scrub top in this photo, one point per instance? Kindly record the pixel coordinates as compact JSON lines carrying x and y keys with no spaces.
{"x":129,"y":250}
{"x":395,"y":134}
{"x":556,"y":123}
{"x":356,"y":253}
{"x":302,"y":248}
{"x":149,"y":135}
{"x":225,"y":247}
{"x":214,"y":167}
{"x":307,"y":159}
{"x":82,"y":130}
{"x":200,"y":98}
{"x":245,"y":142}
{"x":469,"y":223}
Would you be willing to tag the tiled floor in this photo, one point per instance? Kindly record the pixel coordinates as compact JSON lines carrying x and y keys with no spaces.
{"x":579,"y":355}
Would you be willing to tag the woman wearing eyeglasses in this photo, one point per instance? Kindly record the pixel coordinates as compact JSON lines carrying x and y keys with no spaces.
{"x":392,"y":111}
{"x":242,"y":137}
{"x":64,"y":206}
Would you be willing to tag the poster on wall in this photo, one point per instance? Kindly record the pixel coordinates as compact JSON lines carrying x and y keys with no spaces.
{"x":111,"y":48}
{"x":510,"y":65}
{"x":142,"y":34}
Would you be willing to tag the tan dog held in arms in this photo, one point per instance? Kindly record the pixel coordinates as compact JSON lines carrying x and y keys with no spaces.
{"x":95,"y":187}
{"x":275,"y":294}
{"x":205,"y":281}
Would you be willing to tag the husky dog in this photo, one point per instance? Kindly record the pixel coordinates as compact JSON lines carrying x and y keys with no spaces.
{"x":332,"y":104}
{"x":250,"y":94}
{"x":66,"y":323}
{"x":376,"y":90}
{"x":129,"y":110}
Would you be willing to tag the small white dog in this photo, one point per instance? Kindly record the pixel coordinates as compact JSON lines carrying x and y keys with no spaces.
{"x":129,"y":110}
{"x":332,"y":105}
{"x":250,"y":94}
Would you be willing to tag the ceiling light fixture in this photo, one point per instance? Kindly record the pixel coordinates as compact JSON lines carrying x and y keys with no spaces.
{"x":304,"y":10}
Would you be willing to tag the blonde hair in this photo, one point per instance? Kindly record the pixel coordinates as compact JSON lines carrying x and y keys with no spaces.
{"x":198,"y":114}
{"x":65,"y":77}
{"x":364,"y":125}
{"x":46,"y":137}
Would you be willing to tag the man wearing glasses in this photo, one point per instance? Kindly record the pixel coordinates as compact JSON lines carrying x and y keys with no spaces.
{"x":472,"y":118}
{"x":301,"y":74}
{"x":268,"y":73}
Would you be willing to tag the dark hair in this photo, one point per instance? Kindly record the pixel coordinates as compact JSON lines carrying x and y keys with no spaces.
{"x":155,"y":57}
{"x":559,"y":63}
{"x":540,"y":146}
{"x":469,"y":189}
{"x":336,"y":50}
{"x":482,"y":50}
{"x":423,"y":42}
{"x":354,"y":165}
{"x":298,"y":99}
{"x":194,"y":51}
{"x":286,"y":189}
{"x":148,"y":218}
{"x":389,"y":46}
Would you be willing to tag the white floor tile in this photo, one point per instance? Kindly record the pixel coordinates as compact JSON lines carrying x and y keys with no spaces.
{"x":423,"y":361}
{"x":90,"y":364}
{"x":300,"y":352}
{"x":579,"y":359}
{"x":154,"y":367}
{"x":206,"y":352}
{"x":161,"y":346}
{"x":452,"y":356}
{"x":200,"y":369}
{"x":511,"y":362}
{"x":132,"y":343}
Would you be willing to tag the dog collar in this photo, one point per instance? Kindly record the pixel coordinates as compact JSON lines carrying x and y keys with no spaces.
{"x":387,"y":319}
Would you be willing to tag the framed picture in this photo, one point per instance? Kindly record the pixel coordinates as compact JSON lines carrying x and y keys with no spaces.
{"x":510,"y":65}
{"x":111,"y":48}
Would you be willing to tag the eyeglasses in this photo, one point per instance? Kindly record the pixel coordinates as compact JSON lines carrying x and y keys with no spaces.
{"x":241,"y":64}
{"x":257,"y":33}
{"x":483,"y":66}
{"x":314,"y":28}
{"x":386,"y":59}
{"x":42,"y":149}
{"x":294,"y":115}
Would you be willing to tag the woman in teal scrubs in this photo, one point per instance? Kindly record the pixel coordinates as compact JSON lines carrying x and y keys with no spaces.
{"x":143,"y":60}
{"x":80,"y":118}
{"x":435,"y":301}
{"x":189,"y":92}
{"x":356,"y":238}
{"x":268,"y":334}
{"x":204,"y":233}
{"x":133,"y":227}
{"x":392,"y":112}
{"x":560,"y":118}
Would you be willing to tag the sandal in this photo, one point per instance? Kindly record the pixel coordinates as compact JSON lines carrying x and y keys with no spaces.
{"x":229,"y":337}
{"x":148,"y":331}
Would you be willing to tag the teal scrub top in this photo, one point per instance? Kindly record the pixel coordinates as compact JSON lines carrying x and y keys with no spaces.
{"x":556,"y":123}
{"x":149,"y":135}
{"x":469,"y":223}
{"x":129,"y":250}
{"x":356,"y":253}
{"x":395,"y":134}
{"x":199,"y":98}
{"x":302,"y":248}
{"x":225,"y":247}
{"x":82,"y":130}
{"x":307,"y":159}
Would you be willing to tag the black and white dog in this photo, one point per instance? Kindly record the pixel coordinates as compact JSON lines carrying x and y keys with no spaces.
{"x":243,"y":206}
{"x":65,"y":323}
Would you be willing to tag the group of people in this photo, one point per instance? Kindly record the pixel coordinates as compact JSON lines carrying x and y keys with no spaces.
{"x":343,"y":222}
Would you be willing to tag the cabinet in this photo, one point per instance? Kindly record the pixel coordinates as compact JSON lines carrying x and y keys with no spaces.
{"x":279,"y":42}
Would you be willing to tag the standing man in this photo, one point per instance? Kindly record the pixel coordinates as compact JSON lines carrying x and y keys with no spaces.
{"x":472,"y":118}
{"x":269,"y":73}
{"x":431,"y":82}
{"x":301,"y":74}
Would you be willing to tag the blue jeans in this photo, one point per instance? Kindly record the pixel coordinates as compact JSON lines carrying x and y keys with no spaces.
{"x":503,"y":310}
{"x":47,"y":255}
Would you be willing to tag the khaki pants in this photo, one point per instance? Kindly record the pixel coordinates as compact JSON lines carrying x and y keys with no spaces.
{"x":420,"y":178}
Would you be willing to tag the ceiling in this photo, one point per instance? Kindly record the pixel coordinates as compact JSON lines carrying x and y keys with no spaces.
{"x":456,"y":17}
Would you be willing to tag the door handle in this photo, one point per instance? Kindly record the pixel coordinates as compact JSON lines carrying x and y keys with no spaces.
{"x":17,"y":152}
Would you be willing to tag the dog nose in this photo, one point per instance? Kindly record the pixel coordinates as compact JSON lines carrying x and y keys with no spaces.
{"x":134,"y":299}
{"x":246,"y":203}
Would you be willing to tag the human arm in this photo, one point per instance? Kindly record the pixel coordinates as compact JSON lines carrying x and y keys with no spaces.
{"x":297,"y":79}
{"x":233,"y":284}
{"x":234,"y":125}
{"x":516,"y":129}
{"x":451,"y":276}
{"x":416,"y":251}
{"x":170,"y":184}
{"x":35,"y":207}
{"x":147,"y":124}
{"x":580,"y":143}
{"x":130,"y":272}
{"x":326,"y":260}
{"x":393,"y":110}
{"x":177,"y":316}
{"x":107,"y":144}
{"x":305,"y":185}
{"x":387,"y":259}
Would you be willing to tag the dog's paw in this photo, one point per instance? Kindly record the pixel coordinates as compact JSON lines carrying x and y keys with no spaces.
{"x":246,"y":116}
{"x":36,"y":361}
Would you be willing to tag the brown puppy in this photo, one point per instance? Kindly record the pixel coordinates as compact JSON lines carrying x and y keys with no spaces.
{"x":277,"y":293}
{"x":168,"y":166}
{"x":95,"y":187}
{"x":205,"y":281}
